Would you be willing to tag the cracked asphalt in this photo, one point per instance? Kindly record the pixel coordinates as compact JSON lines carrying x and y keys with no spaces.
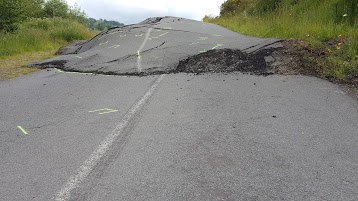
{"x":154,"y":46}
{"x":180,"y":136}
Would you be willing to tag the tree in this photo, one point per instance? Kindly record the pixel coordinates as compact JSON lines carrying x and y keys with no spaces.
{"x":100,"y":26}
{"x":10,"y":15}
{"x":56,"y":8}
{"x":229,"y":7}
{"x":32,"y":8}
{"x":76,"y":13}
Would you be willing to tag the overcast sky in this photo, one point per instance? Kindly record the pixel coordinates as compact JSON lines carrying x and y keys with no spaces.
{"x":133,"y":11}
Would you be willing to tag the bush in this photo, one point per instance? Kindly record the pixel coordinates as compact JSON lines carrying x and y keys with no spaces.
{"x":10,"y":15}
{"x":42,"y":35}
{"x":264,"y":6}
{"x":229,"y":7}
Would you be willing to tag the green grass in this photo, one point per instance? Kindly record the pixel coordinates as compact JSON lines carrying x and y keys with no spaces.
{"x":42,"y":35}
{"x":36,"y":40}
{"x":325,"y":25}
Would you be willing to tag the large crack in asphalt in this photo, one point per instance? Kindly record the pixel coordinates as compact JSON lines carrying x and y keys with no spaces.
{"x":212,"y":61}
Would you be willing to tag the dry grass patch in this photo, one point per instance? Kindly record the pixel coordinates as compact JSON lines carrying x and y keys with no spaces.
{"x":14,"y":66}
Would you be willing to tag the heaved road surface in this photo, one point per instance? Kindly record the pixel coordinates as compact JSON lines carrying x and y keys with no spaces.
{"x":214,"y":136}
{"x":154,"y":46}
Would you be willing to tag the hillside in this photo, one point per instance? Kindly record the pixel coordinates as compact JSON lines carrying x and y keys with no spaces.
{"x":324,"y":33}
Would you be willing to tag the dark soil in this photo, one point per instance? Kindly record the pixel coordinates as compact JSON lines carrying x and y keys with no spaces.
{"x":227,"y":60}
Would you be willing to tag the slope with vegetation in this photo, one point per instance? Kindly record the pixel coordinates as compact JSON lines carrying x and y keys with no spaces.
{"x":325,"y":32}
{"x":32,"y":30}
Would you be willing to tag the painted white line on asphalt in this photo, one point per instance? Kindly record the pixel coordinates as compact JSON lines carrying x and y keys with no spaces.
{"x":65,"y":193}
{"x":140,"y":49}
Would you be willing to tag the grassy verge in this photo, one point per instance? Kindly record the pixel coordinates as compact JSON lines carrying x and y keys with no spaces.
{"x":36,"y":40}
{"x":327,"y":44}
{"x":14,"y":66}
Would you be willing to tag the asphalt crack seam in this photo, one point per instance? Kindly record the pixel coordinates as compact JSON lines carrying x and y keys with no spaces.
{"x":261,"y":47}
{"x":134,"y":55}
{"x":154,"y":47}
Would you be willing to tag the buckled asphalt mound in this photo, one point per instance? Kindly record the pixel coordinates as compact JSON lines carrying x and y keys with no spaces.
{"x":163,"y":45}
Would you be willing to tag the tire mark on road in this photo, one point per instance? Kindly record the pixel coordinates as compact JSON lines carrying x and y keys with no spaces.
{"x":105,"y":146}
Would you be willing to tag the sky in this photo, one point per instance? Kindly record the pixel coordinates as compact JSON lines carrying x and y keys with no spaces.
{"x":134,"y":11}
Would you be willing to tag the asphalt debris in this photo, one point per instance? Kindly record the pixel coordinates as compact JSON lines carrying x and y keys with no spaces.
{"x":227,"y":60}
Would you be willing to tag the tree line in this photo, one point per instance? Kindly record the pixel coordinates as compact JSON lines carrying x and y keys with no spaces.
{"x":14,"y":12}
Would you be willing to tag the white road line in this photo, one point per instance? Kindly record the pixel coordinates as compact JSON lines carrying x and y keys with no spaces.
{"x":140,"y":49}
{"x":65,"y":193}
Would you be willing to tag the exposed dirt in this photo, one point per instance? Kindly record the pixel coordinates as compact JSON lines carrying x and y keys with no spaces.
{"x":301,"y":55}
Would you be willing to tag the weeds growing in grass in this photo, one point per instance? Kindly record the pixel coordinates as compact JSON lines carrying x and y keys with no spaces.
{"x":327,"y":26}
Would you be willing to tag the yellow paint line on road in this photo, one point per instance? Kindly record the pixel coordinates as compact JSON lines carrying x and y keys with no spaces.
{"x":104,"y":43}
{"x":109,"y":112}
{"x":115,"y":46}
{"x":194,"y":43}
{"x":164,"y":34}
{"x":218,"y":45}
{"x":203,"y":38}
{"x":22,"y":129}
{"x":104,"y":111}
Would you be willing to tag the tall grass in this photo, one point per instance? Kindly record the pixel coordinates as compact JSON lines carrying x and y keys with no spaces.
{"x":40,"y":35}
{"x":313,"y":21}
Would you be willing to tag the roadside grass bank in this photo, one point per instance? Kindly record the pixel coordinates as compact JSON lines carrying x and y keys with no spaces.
{"x":36,"y":40}
{"x":324,"y":34}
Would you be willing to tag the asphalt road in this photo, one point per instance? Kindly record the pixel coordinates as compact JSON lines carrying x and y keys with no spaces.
{"x":214,"y":136}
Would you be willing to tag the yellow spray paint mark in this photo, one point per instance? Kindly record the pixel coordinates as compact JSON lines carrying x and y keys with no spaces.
{"x":169,"y":28}
{"x":104,"y":111}
{"x":138,"y":53}
{"x":194,"y":43}
{"x":218,"y":45}
{"x":22,"y":129}
{"x":115,"y":46}
{"x":104,"y":43}
{"x":203,"y":38}
{"x":164,"y":34}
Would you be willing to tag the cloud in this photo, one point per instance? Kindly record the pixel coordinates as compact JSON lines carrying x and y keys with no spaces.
{"x":133,"y":11}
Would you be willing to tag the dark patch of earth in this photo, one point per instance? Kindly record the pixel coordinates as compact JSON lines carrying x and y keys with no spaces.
{"x":227,"y":60}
